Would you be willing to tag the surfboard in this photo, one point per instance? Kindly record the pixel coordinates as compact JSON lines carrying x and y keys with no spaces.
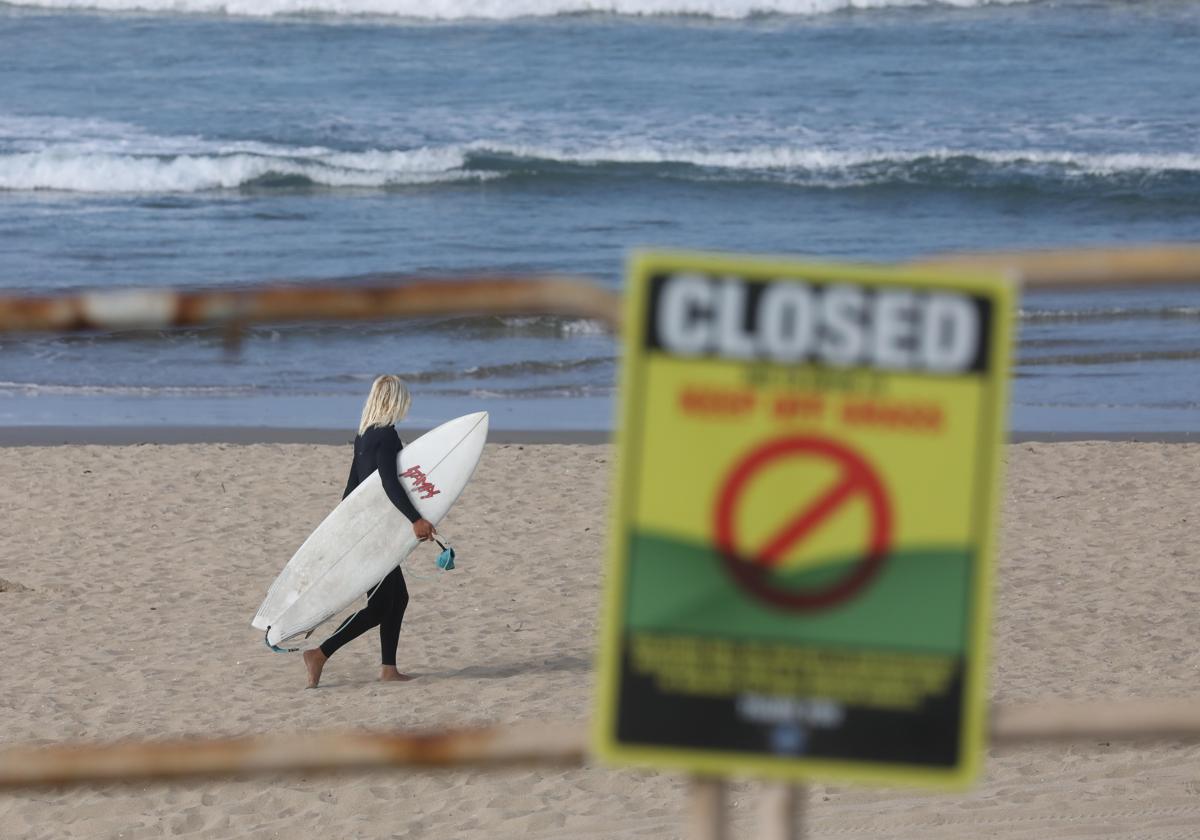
{"x":365,"y":536}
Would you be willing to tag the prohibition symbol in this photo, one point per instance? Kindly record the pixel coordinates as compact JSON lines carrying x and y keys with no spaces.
{"x":857,"y":479}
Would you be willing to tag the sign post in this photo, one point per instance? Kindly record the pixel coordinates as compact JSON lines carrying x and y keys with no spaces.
{"x":800,"y":558}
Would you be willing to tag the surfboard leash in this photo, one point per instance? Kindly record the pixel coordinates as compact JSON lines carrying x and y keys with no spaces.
{"x":278,"y":649}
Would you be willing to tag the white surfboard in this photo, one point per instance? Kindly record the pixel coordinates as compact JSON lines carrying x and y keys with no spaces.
{"x":365,"y":537}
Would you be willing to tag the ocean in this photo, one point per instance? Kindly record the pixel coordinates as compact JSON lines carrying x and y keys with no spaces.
{"x":206,"y":143}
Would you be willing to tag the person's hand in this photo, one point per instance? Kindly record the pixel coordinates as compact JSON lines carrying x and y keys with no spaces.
{"x":424,"y":529}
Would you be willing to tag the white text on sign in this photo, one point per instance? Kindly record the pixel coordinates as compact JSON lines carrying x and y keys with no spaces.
{"x":837,"y":324}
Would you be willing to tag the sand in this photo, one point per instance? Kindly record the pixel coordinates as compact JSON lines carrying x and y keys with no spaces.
{"x":129,"y":574}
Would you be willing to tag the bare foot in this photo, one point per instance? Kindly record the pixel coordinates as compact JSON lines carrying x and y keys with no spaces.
{"x":388,"y":673}
{"x":314,"y":661}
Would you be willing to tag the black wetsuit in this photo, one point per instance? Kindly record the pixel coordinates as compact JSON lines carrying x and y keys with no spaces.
{"x":376,"y":449}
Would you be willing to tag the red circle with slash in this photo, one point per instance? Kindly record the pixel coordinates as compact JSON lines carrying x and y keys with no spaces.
{"x":857,"y":480}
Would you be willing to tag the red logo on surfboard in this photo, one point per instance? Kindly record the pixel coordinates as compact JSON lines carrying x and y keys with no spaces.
{"x":420,"y":482}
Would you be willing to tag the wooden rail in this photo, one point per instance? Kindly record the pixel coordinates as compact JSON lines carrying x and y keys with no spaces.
{"x":80,"y":763}
{"x":401,"y":296}
{"x":1081,"y":268}
{"x":516,"y":744}
{"x":388,"y":297}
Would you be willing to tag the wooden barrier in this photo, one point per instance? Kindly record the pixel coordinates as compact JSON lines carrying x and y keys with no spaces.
{"x":393,"y":296}
{"x":1083,"y":268}
{"x":388,"y":297}
{"x":78,"y":763}
{"x":524,"y":743}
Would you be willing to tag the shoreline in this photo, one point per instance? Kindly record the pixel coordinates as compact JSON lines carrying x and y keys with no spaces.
{"x":244,"y":435}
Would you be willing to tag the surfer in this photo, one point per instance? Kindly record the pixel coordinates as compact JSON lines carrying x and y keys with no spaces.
{"x":375,"y":448}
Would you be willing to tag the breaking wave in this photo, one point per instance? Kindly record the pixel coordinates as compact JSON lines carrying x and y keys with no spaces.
{"x":460,"y":10}
{"x":1113,"y":358}
{"x":248,"y":166}
{"x":123,"y":390}
{"x":1111,"y":313}
{"x":188,"y":173}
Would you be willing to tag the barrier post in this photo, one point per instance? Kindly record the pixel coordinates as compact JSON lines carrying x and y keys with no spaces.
{"x":783,"y":811}
{"x":707,"y":813}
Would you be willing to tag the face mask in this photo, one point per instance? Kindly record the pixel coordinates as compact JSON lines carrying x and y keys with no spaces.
{"x":445,"y":560}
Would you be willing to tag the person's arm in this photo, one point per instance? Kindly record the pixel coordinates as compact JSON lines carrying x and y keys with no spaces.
{"x":352,"y":481}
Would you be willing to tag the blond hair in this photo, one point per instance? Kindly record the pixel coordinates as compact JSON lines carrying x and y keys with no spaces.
{"x":386,"y":404}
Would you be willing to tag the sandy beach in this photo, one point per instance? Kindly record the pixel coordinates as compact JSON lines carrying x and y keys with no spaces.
{"x":129,"y":574}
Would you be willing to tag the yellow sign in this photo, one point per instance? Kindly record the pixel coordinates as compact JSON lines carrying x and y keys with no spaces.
{"x":800,"y":557}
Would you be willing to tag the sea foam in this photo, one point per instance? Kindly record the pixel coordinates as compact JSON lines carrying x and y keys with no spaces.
{"x":109,"y":173}
{"x":455,"y":10}
{"x":166,"y":166}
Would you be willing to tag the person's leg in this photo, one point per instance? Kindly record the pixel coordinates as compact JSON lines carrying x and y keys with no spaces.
{"x":389,"y":627}
{"x":350,"y":629}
